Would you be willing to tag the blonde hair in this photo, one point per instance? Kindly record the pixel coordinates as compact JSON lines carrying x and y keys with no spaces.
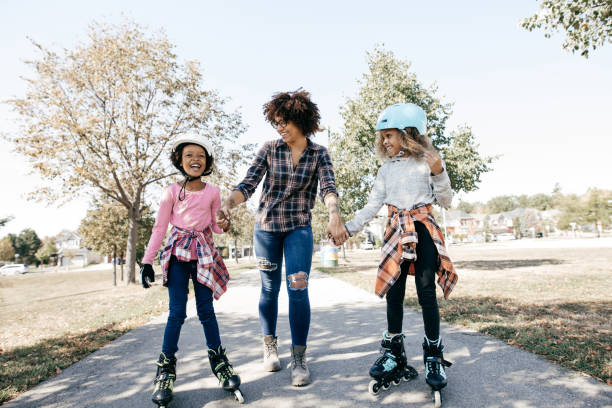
{"x":412,"y":143}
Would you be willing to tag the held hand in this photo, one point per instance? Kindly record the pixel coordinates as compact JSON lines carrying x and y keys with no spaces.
{"x":225,"y":225}
{"x":336,"y":230}
{"x":434,"y":161}
{"x":223,"y":218}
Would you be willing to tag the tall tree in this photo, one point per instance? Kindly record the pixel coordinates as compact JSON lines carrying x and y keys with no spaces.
{"x":7,"y":252}
{"x":26,"y":244}
{"x":105,"y":229}
{"x":390,"y":81}
{"x":46,"y":251}
{"x":100,"y":118}
{"x":587,"y":23}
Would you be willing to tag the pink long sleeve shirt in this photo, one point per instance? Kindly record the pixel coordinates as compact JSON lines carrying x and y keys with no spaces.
{"x":195,"y":213}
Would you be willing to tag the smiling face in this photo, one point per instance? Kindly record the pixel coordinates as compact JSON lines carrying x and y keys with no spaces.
{"x":193,"y":160}
{"x":288,"y":131}
{"x":392,"y":141}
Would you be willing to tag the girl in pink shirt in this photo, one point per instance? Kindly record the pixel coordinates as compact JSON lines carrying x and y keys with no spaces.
{"x":190,"y":253}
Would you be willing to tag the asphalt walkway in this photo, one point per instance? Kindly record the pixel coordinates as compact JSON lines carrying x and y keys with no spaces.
{"x":343,"y":343}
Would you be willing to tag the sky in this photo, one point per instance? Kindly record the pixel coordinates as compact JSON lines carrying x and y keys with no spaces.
{"x":543,"y":111}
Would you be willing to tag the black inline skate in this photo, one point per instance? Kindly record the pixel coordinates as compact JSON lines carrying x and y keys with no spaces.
{"x":164,"y":380}
{"x":223,"y":370}
{"x":392,"y":366}
{"x":434,"y":361}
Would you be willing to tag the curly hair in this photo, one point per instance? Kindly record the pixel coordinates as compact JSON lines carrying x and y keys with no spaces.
{"x":413,"y":143}
{"x":176,"y":157}
{"x":294,"y":107}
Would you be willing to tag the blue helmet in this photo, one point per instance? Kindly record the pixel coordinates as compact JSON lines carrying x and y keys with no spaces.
{"x":401,"y":116}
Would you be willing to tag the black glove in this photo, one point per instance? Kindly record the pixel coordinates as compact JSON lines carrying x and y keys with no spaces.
{"x":147,"y":275}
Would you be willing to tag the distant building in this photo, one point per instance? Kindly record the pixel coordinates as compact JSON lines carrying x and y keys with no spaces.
{"x":71,"y":253}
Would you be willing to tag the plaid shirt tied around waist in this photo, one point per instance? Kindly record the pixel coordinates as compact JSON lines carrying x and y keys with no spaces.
{"x":211,"y":269}
{"x":399,"y":245}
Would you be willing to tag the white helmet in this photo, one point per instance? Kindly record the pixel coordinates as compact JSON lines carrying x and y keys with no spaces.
{"x":193,"y":139}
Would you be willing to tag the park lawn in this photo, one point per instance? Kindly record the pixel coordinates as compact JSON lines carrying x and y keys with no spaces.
{"x":52,"y":320}
{"x":552,"y":302}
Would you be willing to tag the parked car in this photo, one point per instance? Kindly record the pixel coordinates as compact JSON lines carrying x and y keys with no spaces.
{"x":367,"y":245}
{"x":14,"y":269}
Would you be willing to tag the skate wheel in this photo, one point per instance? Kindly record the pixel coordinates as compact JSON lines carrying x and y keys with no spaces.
{"x":239,"y":397}
{"x":410,"y":375}
{"x":386,"y":386}
{"x":396,"y":381}
{"x":437,"y":399}
{"x":373,"y":387}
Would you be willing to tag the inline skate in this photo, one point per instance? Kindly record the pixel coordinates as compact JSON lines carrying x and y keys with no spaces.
{"x":223,"y":370}
{"x":392,"y":366}
{"x":434,"y":361}
{"x":164,"y":380}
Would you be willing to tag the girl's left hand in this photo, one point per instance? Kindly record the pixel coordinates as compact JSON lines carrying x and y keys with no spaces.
{"x":434,"y":161}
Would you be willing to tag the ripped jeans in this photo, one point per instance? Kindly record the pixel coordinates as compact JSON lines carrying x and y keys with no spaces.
{"x":296,"y":245}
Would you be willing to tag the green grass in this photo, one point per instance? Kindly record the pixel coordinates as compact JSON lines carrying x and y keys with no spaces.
{"x":552,"y":302}
{"x":52,"y":320}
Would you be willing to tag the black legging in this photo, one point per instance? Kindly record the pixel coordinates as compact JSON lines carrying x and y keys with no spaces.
{"x":425,"y":268}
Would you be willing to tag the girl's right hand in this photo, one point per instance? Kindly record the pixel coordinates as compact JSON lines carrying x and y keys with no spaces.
{"x":223,"y":218}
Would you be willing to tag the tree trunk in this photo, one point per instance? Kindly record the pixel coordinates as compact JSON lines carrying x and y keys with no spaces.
{"x":114,"y":265}
{"x":122,"y":255}
{"x":236,"y":249}
{"x":132,"y":241}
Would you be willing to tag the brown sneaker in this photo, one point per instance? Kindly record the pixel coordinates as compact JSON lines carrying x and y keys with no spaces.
{"x":300,"y":375}
{"x":270,"y":360}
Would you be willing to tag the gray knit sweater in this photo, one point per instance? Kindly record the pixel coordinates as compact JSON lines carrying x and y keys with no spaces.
{"x":403,"y":182}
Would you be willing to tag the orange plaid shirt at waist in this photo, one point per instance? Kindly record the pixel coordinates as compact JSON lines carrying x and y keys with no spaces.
{"x":399,"y":245}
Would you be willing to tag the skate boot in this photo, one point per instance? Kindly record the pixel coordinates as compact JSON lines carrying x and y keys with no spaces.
{"x":300,"y":374}
{"x":434,"y":361}
{"x":392,"y":366}
{"x":271,"y":361}
{"x":164,"y":380}
{"x":223,"y":370}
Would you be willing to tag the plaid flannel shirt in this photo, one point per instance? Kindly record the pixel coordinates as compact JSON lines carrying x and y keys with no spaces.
{"x":288,"y":193}
{"x":211,"y":269}
{"x":399,"y":245}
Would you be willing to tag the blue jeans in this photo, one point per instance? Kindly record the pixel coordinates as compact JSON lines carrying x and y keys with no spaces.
{"x":296,"y":245}
{"x":178,"y":286}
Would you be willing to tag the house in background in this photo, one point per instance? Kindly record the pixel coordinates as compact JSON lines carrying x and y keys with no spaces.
{"x":71,"y":253}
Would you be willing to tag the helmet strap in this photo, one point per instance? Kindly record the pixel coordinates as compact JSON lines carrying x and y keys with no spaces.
{"x":183,"y":190}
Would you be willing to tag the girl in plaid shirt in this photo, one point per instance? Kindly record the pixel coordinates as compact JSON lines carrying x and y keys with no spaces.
{"x":412,"y":178}
{"x":293,"y":166}
{"x":190,"y":253}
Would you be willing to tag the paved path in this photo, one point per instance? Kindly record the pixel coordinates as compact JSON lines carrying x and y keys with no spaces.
{"x":343,"y":343}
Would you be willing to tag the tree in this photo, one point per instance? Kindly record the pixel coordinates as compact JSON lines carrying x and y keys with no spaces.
{"x":5,"y":220}
{"x":46,"y":251}
{"x":241,"y":229}
{"x":466,"y":207}
{"x":7,"y":252}
{"x":389,"y":81}
{"x":320,"y":218}
{"x":105,"y":229}
{"x":598,"y":208}
{"x":100,"y":118}
{"x":587,"y":23}
{"x":502,"y":204}
{"x":26,"y":244}
{"x":541,"y":202}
